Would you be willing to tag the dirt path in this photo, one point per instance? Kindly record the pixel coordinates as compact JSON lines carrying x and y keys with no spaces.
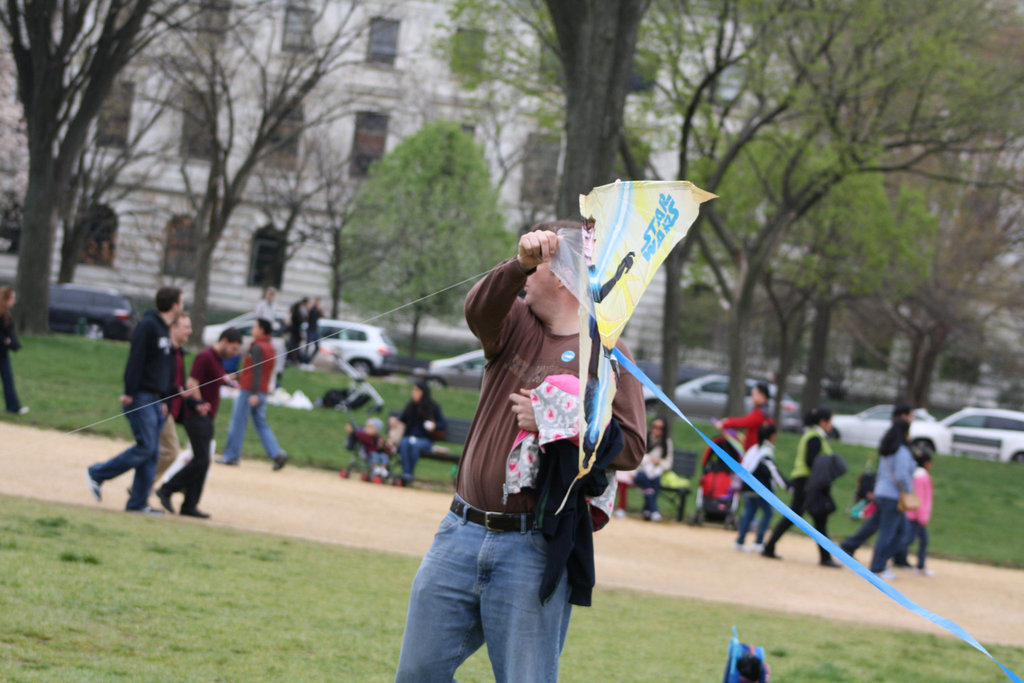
{"x":666,"y":558}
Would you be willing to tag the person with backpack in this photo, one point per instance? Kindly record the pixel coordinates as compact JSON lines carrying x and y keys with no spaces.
{"x":813,"y":442}
{"x":759,"y":461}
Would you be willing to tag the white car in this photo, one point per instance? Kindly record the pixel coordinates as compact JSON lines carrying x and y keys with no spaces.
{"x":364,"y":347}
{"x":867,"y":427}
{"x":705,"y":398}
{"x":988,"y":433}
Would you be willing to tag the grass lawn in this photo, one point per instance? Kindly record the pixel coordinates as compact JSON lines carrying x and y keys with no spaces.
{"x":71,"y":382}
{"x":91,"y":595}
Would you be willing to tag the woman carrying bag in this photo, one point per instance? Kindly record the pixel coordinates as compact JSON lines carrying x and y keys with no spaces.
{"x":895,"y":478}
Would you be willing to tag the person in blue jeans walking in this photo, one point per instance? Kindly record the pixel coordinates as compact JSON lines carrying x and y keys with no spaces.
{"x":895,"y":474}
{"x":759,"y":461}
{"x":423,"y":424}
{"x":254,"y":385}
{"x":148,"y":380}
{"x":479,"y":583}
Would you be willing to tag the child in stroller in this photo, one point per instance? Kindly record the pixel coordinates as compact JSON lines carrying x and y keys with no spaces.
{"x":718,"y":495}
{"x":373,"y":451}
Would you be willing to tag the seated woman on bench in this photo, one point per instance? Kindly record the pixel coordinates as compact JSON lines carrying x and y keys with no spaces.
{"x":423,"y":424}
{"x":656,"y":462}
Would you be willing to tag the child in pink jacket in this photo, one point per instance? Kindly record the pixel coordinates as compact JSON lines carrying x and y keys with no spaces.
{"x":918,"y":519}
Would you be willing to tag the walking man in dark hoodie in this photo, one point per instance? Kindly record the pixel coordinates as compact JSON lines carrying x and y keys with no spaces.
{"x":148,"y":378}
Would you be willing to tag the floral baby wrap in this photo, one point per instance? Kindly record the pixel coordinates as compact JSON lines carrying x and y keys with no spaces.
{"x":556,"y":411}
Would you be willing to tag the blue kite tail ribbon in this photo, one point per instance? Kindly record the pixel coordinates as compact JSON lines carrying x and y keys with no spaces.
{"x":822,"y":540}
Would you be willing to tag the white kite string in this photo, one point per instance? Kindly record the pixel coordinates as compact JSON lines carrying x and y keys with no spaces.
{"x":367,"y":320}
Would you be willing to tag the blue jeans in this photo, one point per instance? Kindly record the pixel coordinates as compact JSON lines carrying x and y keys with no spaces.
{"x":477,"y":587}
{"x":7,"y":375}
{"x":751,"y":504}
{"x":239,"y":421}
{"x":650,"y":488}
{"x":916,"y":530}
{"x":410,"y":448}
{"x":892,"y":526}
{"x":146,"y":420}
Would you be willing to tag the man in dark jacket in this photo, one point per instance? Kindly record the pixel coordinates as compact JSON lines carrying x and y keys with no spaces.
{"x":147,"y":382}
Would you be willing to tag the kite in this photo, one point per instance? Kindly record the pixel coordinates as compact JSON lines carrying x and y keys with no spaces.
{"x":629,"y":229}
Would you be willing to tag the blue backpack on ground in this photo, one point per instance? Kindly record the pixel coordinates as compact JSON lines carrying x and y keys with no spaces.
{"x":746,"y":663}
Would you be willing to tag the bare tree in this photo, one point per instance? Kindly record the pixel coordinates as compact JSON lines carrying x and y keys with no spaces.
{"x":245,"y":81}
{"x":99,"y":177}
{"x":972,"y":281}
{"x":68,"y":55}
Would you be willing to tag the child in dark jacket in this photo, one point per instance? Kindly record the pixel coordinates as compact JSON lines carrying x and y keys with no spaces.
{"x":378,"y":450}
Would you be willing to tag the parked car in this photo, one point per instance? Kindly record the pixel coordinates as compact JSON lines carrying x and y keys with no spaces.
{"x":465,"y":370}
{"x":988,"y":433}
{"x":867,"y":427}
{"x":365,"y":347}
{"x":244,"y":323}
{"x":684,"y":373}
{"x":705,"y":398}
{"x":107,"y":311}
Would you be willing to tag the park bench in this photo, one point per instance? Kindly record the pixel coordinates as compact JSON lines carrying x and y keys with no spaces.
{"x":684,"y":464}
{"x":450,"y":448}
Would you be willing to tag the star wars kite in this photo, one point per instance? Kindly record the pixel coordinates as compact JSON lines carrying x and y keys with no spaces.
{"x":630,"y":227}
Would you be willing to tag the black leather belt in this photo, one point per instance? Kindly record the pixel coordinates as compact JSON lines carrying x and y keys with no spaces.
{"x":494,"y":521}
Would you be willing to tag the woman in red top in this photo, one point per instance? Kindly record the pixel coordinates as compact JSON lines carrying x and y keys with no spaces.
{"x":759,"y":395}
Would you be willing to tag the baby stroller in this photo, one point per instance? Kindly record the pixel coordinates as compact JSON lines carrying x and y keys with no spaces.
{"x":717,"y":496}
{"x":349,"y":399}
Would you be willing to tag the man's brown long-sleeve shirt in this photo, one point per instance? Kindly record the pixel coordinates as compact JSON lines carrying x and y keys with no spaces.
{"x":520,"y":353}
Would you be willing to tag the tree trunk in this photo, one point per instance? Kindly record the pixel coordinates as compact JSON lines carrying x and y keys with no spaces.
{"x":737,"y":357}
{"x":335,"y":273}
{"x":817,"y":355}
{"x":70,"y":247}
{"x":201,"y":285}
{"x":35,"y":252}
{"x":414,"y":338}
{"x":671,"y":305}
{"x":739,"y":326}
{"x":790,"y":332}
{"x":923,"y":358}
{"x":597,"y":39}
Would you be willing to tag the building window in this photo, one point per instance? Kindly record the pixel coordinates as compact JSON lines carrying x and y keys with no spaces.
{"x":212,"y":20}
{"x":115,"y":116}
{"x":540,"y":170}
{"x":383,"y":41}
{"x":368,"y":145}
{"x":298,"y":29}
{"x":266,"y":261}
{"x":197,"y":131}
{"x":284,"y":141}
{"x":100,"y":245}
{"x":467,"y":51}
{"x":180,"y":249}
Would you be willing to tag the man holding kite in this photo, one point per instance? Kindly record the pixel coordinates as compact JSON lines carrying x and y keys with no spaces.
{"x":479,"y":581}
{"x":515,"y":550}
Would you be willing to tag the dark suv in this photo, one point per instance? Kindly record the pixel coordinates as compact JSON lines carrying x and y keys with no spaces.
{"x":107,"y":309}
